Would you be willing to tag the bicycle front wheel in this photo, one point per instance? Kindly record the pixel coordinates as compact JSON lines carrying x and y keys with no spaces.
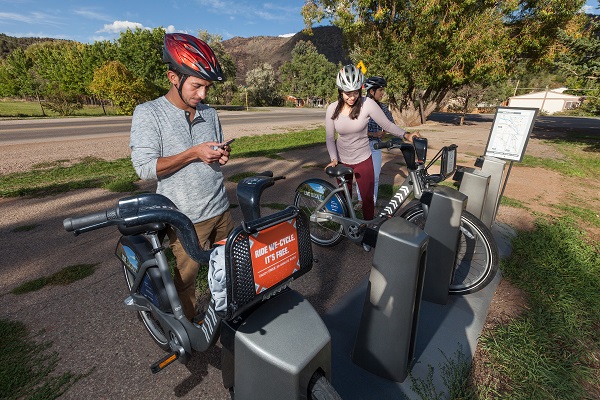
{"x":150,"y":323}
{"x":477,"y":257}
{"x":308,"y":196}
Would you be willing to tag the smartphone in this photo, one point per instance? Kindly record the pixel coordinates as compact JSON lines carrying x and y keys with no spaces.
{"x":227,"y":143}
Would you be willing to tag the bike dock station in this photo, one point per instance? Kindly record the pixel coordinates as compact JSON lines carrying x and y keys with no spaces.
{"x":482,"y":185}
{"x":385,"y":341}
{"x":395,"y":332}
{"x":442,"y":226}
{"x":385,"y":334}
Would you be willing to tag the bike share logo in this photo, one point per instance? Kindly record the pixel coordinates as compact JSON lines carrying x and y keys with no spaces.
{"x":317,"y":191}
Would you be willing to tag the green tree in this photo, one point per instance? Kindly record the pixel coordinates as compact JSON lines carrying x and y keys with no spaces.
{"x":17,"y":78}
{"x":425,"y":48}
{"x":115,"y":82}
{"x":140,"y":51}
{"x":262,"y":86}
{"x":57,"y":69}
{"x":309,"y":74}
{"x":15,"y":75}
{"x":581,"y":62}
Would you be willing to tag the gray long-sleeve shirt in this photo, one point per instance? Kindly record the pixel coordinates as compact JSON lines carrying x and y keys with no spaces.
{"x":159,"y":129}
{"x":352,"y":144}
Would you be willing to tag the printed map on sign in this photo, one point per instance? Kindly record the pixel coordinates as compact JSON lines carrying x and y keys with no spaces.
{"x":274,"y":254}
{"x":510,"y":133}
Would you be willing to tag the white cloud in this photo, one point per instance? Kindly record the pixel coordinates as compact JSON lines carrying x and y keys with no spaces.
{"x":32,"y":18}
{"x":15,"y":17}
{"x":120,"y":26}
{"x":286,"y":35}
{"x":171,"y":29}
{"x":92,"y":15}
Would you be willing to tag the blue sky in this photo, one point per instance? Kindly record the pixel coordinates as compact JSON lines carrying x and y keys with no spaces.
{"x":91,"y":20}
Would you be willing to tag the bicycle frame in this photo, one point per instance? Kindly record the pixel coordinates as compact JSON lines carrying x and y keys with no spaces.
{"x":415,"y":183}
{"x":354,"y":226}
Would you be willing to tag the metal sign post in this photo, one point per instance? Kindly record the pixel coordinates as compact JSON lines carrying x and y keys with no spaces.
{"x":508,"y":139}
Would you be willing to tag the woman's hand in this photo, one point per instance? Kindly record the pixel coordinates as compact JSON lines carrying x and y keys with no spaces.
{"x":410,"y":135}
{"x":333,"y":163}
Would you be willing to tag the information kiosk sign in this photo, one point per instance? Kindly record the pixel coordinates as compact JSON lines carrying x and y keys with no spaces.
{"x":510,"y":132}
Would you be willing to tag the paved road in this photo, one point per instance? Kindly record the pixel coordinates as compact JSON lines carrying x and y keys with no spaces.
{"x":544,"y":125}
{"x":43,"y":130}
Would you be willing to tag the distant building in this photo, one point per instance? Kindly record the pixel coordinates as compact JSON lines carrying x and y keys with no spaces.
{"x":549,"y":101}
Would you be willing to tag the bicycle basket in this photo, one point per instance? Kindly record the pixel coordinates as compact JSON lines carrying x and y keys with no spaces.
{"x":262,"y":260}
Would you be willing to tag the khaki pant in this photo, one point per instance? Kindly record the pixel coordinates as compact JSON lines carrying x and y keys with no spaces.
{"x":209,"y":232}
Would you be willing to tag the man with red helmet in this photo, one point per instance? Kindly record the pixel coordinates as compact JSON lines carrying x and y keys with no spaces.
{"x":177,"y":140}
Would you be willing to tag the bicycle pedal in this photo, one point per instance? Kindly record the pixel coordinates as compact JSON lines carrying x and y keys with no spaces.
{"x":164,"y":362}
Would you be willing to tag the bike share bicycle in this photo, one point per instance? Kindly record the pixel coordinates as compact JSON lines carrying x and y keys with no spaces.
{"x":274,"y":343}
{"x":332,"y":216}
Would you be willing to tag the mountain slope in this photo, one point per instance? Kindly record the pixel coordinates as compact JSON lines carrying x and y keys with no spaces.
{"x":248,"y":53}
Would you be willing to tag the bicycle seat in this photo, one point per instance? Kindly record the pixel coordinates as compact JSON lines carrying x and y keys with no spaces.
{"x":338,"y":170}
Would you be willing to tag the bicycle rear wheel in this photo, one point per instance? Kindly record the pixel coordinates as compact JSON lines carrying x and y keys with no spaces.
{"x":477,"y":257}
{"x":308,"y":196}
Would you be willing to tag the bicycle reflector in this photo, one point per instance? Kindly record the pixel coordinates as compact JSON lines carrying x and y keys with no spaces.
{"x":162,"y":363}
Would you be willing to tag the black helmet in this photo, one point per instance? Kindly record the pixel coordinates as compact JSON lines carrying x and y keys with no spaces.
{"x":374,"y":82}
{"x":191,"y":56}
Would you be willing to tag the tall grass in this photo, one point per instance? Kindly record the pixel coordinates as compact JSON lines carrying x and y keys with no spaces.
{"x":552,"y":351}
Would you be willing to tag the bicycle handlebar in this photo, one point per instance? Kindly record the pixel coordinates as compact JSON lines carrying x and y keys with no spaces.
{"x":139,"y":210}
{"x":91,"y":221}
{"x":390,"y":144}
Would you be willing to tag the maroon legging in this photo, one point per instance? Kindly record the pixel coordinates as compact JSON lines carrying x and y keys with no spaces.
{"x":365,"y":179}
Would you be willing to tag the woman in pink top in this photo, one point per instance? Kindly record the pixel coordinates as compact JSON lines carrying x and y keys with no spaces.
{"x":349,"y":117}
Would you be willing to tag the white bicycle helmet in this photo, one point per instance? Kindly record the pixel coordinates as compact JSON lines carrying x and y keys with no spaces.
{"x":349,"y":79}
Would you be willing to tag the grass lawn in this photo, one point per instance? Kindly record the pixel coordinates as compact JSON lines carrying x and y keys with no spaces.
{"x":28,"y":109}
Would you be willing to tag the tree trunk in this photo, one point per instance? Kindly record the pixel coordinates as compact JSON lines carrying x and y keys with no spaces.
{"x":465,"y":109}
{"x":41,"y":106}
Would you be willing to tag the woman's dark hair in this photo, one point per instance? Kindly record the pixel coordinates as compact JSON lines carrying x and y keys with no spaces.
{"x":355,"y":108}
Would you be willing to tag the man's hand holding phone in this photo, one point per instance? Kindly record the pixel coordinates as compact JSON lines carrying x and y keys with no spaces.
{"x":224,"y":145}
{"x":225,"y":149}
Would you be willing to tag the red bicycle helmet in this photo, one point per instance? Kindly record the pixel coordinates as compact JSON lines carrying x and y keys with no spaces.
{"x":191,"y":56}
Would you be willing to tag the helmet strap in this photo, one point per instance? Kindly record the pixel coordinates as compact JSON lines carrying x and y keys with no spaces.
{"x":182,"y":79}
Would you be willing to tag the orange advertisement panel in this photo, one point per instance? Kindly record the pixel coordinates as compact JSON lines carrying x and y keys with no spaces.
{"x":274,"y":254}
